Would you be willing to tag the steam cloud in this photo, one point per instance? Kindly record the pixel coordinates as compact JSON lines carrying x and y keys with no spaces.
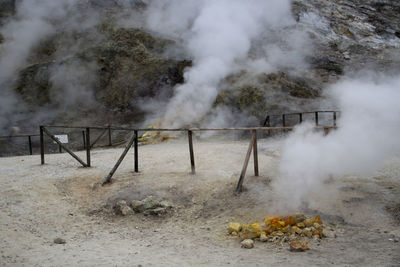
{"x":366,"y":137}
{"x":218,"y":36}
{"x":34,"y":21}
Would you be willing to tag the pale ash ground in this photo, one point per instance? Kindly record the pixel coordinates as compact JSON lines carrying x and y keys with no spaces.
{"x":60,"y":199}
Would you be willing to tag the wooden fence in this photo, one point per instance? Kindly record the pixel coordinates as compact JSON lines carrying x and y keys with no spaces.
{"x":29,"y":136}
{"x":133,"y":141}
{"x":283,"y":117}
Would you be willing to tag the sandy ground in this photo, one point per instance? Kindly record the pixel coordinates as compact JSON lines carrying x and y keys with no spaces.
{"x":60,"y":199}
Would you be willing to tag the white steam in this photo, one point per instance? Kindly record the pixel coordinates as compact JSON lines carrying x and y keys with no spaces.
{"x":366,"y":137}
{"x":218,"y":36}
{"x":34,"y":21}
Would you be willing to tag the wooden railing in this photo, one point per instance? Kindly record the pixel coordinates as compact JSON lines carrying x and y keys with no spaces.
{"x":29,"y":136}
{"x":133,"y":141}
{"x":300,"y":115}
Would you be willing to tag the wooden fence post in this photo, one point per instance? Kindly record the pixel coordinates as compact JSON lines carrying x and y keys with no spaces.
{"x":192,"y":164}
{"x":244,"y":168}
{"x":30,"y":144}
{"x":88,"y":147}
{"x":109,"y":136}
{"x":334,"y":118}
{"x":283,"y":120}
{"x":255,"y":153}
{"x":136,"y":151}
{"x":64,"y":147}
{"x":121,"y":158}
{"x":41,"y":145}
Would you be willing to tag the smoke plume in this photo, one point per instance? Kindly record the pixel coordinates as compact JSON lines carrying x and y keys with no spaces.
{"x":367,"y":135}
{"x":218,"y":36}
{"x":33,"y":22}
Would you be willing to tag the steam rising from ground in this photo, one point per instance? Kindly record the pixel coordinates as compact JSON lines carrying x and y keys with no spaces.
{"x":218,"y":36}
{"x":34,"y":21}
{"x":367,"y":136}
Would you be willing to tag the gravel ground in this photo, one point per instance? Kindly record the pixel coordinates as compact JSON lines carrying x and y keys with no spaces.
{"x":63,"y":200}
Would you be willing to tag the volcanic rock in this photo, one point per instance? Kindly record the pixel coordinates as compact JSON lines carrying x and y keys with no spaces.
{"x":329,"y":233}
{"x":297,"y":230}
{"x":59,"y":240}
{"x":298,"y":246}
{"x":150,"y":206}
{"x":234,"y":227}
{"x":247,"y":243}
{"x":309,"y":222}
{"x":308,"y":232}
{"x":122,"y":208}
{"x":263,"y":237}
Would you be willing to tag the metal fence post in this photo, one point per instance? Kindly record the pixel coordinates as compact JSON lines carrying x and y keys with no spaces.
{"x":109,"y":136}
{"x":192,"y":164}
{"x":136,"y":151}
{"x":255,"y":153}
{"x":41,"y":145}
{"x":334,"y":118}
{"x":88,"y":147}
{"x":316,"y":118}
{"x":283,"y":120}
{"x":30,"y":144}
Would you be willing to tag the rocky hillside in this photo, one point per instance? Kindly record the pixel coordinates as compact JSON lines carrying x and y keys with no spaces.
{"x":108,"y":72}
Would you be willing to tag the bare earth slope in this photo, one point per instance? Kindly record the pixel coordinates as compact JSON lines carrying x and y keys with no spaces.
{"x":60,"y":199}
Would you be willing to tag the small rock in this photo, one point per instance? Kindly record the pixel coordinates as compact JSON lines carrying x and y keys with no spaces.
{"x":150,"y":205}
{"x":234,"y":227}
{"x":309,"y":222}
{"x":307,"y":232}
{"x":59,"y":240}
{"x":137,"y":205}
{"x":263,"y":237}
{"x":250,"y":231}
{"x":317,"y":226}
{"x":121,"y":208}
{"x":298,"y":246}
{"x":329,"y":233}
{"x":301,"y":225}
{"x":126,"y":210}
{"x":156,"y":211}
{"x":247,"y":243}
{"x":273,"y":239}
{"x":297,"y":230}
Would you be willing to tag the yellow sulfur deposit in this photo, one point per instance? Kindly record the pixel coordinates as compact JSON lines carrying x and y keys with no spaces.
{"x":234,"y":227}
{"x":309,"y":222}
{"x":318,"y":220}
{"x":279,"y":228}
{"x":250,"y":231}
{"x":154,"y":137}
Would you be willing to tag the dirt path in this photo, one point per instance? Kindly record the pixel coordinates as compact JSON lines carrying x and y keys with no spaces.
{"x":61,"y":199}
